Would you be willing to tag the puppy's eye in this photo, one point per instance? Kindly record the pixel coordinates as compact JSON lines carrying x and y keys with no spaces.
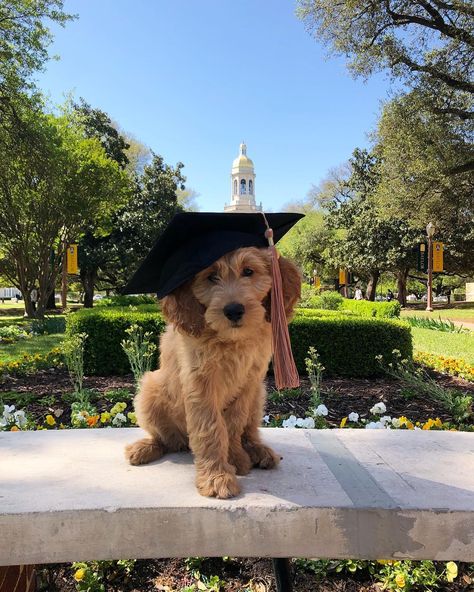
{"x":213,"y":277}
{"x":247,"y":271}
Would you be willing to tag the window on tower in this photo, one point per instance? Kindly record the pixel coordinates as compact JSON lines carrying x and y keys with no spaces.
{"x":235,"y":186}
{"x":250,"y":187}
{"x":243,"y":190}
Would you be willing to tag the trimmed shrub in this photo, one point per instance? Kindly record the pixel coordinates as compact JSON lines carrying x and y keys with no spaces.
{"x":365,"y":308}
{"x":328,"y":300}
{"x":348,"y":344}
{"x":120,"y":300}
{"x":105,"y":327}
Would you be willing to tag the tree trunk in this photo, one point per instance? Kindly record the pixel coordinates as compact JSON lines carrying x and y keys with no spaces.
{"x":88,"y":279}
{"x":372,"y":284}
{"x":402,"y":275}
{"x":51,"y":304}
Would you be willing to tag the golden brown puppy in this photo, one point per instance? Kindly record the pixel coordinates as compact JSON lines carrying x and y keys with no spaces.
{"x":208,"y":393}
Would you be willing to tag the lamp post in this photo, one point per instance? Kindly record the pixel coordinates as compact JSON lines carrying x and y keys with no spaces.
{"x":430,"y":230}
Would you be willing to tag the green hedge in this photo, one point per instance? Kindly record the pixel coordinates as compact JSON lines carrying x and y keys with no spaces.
{"x":346,"y":342}
{"x":105,"y":328}
{"x":365,"y":308}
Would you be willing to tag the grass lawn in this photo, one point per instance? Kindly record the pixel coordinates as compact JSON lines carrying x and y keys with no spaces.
{"x":455,"y":314}
{"x":455,"y":345}
{"x":41,"y":344}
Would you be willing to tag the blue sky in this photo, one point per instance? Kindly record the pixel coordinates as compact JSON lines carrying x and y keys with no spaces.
{"x":193,"y":79}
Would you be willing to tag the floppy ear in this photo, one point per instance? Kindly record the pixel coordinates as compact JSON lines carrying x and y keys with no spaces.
{"x":183,"y":309}
{"x":291,"y":281}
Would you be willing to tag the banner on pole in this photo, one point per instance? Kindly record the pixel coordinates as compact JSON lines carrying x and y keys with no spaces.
{"x":422,"y":260}
{"x":317,"y":282}
{"x":437,"y":256}
{"x":342,"y":277}
{"x":72,"y":266}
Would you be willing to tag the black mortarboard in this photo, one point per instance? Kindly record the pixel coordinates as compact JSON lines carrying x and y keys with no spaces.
{"x":195,"y":240}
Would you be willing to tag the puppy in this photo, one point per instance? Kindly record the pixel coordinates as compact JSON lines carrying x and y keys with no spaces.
{"x":208,"y":394}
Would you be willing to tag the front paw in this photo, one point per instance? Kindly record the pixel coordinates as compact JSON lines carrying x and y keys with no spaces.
{"x":143,"y":451}
{"x":221,"y":485}
{"x":262,"y":456}
{"x":241,"y":461}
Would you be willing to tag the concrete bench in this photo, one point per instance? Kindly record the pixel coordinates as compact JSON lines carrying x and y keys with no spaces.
{"x":370,"y":494}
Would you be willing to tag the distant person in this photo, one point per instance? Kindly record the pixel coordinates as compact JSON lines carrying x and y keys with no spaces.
{"x":448,"y":295}
{"x":358,"y":294}
{"x":390,"y":295}
{"x":34,"y":298}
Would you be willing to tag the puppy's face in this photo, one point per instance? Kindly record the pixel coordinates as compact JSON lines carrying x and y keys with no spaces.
{"x":233,"y":290}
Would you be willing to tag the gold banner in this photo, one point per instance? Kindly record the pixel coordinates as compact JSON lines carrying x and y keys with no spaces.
{"x":342,"y":277}
{"x":72,"y":266}
{"x":437,"y":256}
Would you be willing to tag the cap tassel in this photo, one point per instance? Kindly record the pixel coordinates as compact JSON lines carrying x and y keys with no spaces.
{"x":286,"y":374}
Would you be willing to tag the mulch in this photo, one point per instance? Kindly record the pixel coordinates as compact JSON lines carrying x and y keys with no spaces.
{"x":44,"y":392}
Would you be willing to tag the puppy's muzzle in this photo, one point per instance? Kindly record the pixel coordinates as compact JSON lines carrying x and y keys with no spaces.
{"x":234,"y":311}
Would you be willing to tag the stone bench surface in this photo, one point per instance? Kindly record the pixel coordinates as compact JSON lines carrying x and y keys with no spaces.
{"x":373,"y":494}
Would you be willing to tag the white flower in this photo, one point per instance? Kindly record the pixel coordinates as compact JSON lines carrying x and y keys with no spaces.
{"x":299,"y":422}
{"x":378,"y":408}
{"x":374,"y":425}
{"x":290,"y":422}
{"x":385,"y":419}
{"x":20,"y":418}
{"x":353,"y":417}
{"x":119,"y":419}
{"x":321,"y":410}
{"x":396,"y":422}
{"x":308,"y":423}
{"x":266,"y":419}
{"x":80,"y":417}
{"x":3,"y":422}
{"x":7,"y":409}
{"x":417,"y":428}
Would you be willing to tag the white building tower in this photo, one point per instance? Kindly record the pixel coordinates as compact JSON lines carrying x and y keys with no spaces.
{"x":242,"y":185}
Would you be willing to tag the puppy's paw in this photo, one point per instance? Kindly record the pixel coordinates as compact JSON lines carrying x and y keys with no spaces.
{"x":223,"y":485}
{"x":144,"y":451}
{"x":241,"y":461}
{"x":263,"y":456}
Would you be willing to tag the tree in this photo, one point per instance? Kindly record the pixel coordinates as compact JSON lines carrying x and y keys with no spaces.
{"x":187,"y":199}
{"x":426,"y":44}
{"x":24,"y":41}
{"x":53,"y":182}
{"x":424,"y":177}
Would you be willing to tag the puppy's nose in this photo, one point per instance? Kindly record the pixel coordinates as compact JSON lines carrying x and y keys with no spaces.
{"x":234,"y":311}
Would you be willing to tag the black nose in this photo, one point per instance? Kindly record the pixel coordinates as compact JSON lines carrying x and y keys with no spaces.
{"x":234,"y":311}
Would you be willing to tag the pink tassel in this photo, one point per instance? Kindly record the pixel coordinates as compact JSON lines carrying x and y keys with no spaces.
{"x":286,"y":374}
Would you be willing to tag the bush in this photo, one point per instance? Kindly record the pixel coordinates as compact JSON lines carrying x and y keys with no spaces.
{"x":126,"y":300}
{"x":348,"y":345}
{"x":106,"y":329}
{"x":328,"y":300}
{"x":365,"y":308}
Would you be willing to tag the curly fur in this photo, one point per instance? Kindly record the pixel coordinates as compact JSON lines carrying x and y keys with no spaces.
{"x":208,"y":394}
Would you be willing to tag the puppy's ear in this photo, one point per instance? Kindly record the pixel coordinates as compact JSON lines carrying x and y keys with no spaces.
{"x":291,"y":281}
{"x":183,"y":309}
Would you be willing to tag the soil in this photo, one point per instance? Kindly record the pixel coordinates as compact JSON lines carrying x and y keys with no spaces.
{"x":46,"y":392}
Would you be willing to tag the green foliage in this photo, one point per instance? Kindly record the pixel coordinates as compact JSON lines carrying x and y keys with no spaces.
{"x":416,"y":379}
{"x":73,"y":351}
{"x":328,"y":300}
{"x":140,"y":350}
{"x":447,"y":326}
{"x":12,"y":333}
{"x":315,"y":370}
{"x":48,"y":325}
{"x":106,"y":329}
{"x":123,"y":300}
{"x":117,"y":395}
{"x":97,"y":576}
{"x":348,"y":345}
{"x":366,"y":308}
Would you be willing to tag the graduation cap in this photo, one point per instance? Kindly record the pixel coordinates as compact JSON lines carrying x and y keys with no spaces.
{"x":195,"y":240}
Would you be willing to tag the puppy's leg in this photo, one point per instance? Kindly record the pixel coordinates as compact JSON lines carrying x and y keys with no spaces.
{"x":151,"y":405}
{"x":262,"y":456}
{"x":236,"y":416}
{"x":209,"y":440}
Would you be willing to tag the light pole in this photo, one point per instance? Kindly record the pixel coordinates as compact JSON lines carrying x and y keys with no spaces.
{"x":430,"y":230}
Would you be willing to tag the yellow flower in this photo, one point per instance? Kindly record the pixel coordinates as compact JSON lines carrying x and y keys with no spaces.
{"x":15,"y":429}
{"x":438,"y":423}
{"x":385,"y":561}
{"x":343,"y":422}
{"x":104,"y":417}
{"x":451,"y":571}
{"x":50,"y":420}
{"x":79,"y":575}
{"x":132,"y":417}
{"x":400,"y":580}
